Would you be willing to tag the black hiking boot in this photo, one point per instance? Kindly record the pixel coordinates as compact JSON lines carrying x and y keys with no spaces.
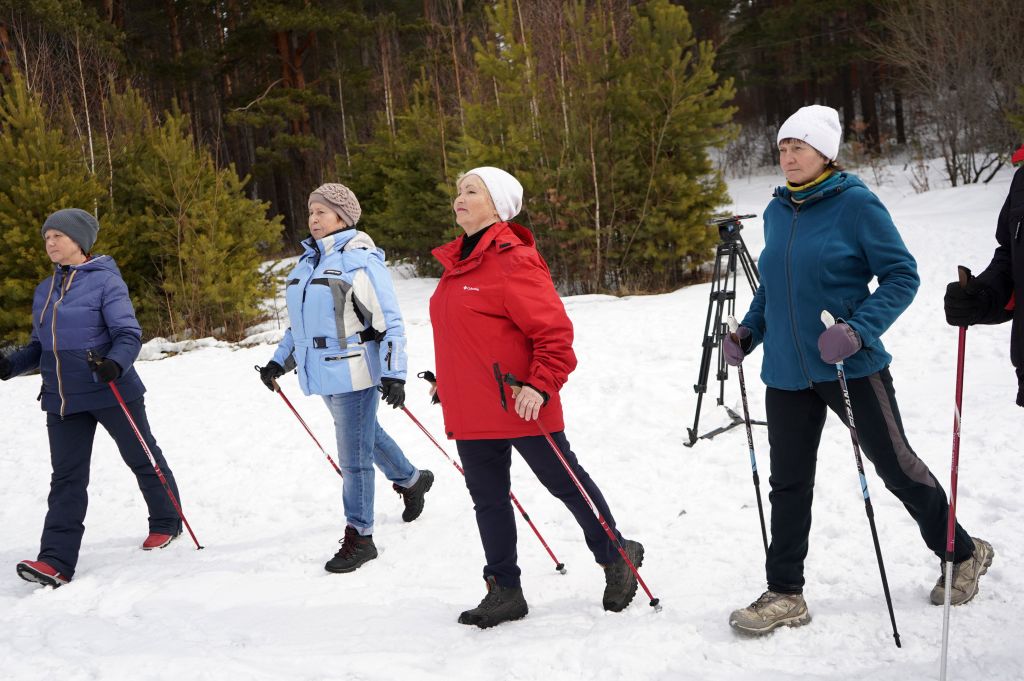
{"x":620,"y":582}
{"x":355,"y":550}
{"x":501,"y":604}
{"x":413,"y":496}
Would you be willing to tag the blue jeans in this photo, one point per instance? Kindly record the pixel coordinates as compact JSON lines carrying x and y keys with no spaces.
{"x":361,"y":444}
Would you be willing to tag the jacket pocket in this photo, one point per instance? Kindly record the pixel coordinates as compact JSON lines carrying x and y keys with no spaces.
{"x":342,"y":370}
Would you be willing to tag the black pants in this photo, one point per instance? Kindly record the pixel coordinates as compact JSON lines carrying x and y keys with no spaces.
{"x":795,"y":421}
{"x":71,"y":439}
{"x":487,"y":464}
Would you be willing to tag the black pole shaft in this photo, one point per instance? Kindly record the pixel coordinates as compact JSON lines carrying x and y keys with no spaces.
{"x":867,"y":498}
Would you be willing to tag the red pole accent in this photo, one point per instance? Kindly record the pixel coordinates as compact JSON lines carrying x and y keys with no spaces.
{"x":954,"y":466}
{"x":286,"y":401}
{"x":600,"y":517}
{"x":152,"y":460}
{"x":558,"y":564}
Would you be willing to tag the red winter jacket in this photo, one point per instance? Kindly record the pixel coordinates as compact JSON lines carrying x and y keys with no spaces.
{"x":498,"y":305}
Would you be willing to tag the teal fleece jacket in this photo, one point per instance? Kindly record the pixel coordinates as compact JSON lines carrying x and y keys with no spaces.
{"x":821,"y":255}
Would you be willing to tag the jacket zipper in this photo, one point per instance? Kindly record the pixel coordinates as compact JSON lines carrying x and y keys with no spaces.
{"x":65,"y":285}
{"x":789,"y":295}
{"x":42,"y":313}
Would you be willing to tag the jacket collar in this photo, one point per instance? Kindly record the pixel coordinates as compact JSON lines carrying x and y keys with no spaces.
{"x":501,"y":236}
{"x":335,"y":241}
{"x":829,"y":188}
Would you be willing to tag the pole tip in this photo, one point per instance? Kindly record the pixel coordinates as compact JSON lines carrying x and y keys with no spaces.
{"x":656,"y":604}
{"x":561,"y":568}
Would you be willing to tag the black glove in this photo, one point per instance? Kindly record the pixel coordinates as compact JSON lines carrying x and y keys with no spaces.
{"x":5,"y":368}
{"x":106,"y":369}
{"x":966,"y":305}
{"x":392,"y":390}
{"x":270,"y":373}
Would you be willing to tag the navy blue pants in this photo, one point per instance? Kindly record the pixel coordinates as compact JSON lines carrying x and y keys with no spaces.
{"x":487,"y":464}
{"x":795,"y":422}
{"x":71,"y":439}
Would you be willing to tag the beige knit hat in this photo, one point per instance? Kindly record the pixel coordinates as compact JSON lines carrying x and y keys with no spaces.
{"x":340,"y":199}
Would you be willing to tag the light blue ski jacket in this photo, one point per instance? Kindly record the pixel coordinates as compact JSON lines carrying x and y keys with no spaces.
{"x":821,"y":255}
{"x":346,"y":329}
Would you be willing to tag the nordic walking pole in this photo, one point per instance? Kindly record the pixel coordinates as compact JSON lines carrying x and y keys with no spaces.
{"x":152,"y":460}
{"x":828,"y":320}
{"x":733,"y":325}
{"x":429,"y":376}
{"x":516,"y":386}
{"x":280,"y":392}
{"x":965,"y":276}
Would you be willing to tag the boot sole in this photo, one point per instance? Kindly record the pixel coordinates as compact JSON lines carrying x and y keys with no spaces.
{"x":429,"y":484}
{"x":32,"y":575}
{"x":637,"y":563}
{"x":796,"y":621}
{"x":484,"y":623}
{"x":350,"y":568}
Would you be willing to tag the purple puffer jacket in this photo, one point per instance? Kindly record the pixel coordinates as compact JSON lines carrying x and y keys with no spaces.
{"x":81,"y":308}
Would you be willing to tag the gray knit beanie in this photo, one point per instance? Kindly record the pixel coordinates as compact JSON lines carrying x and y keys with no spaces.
{"x":78,"y":224}
{"x":340,"y":199}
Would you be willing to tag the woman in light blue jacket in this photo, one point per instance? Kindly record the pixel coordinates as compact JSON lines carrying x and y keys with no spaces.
{"x":346,"y":339}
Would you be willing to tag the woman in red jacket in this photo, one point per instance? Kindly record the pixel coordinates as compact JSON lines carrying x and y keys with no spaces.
{"x":496,"y":304}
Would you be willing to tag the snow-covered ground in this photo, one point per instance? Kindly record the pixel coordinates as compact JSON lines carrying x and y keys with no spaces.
{"x":257,"y":604}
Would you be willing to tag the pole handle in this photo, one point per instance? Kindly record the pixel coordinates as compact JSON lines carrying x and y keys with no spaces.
{"x":963,"y":274}
{"x":827,"y":319}
{"x":733,"y":324}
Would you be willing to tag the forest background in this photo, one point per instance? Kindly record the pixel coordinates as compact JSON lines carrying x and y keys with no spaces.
{"x":195,"y":129}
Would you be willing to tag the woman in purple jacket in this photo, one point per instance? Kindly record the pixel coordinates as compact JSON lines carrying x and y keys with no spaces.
{"x":85,"y":335}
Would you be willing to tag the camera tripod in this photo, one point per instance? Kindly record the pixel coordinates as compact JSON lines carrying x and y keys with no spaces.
{"x":722,"y":304}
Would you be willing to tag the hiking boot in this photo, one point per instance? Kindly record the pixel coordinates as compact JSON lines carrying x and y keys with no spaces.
{"x":155,"y":540}
{"x":619,"y":580}
{"x":770,"y":611}
{"x":355,"y":550}
{"x":413,"y":496}
{"x":965,"y":575}
{"x":501,"y":604}
{"x":42,"y":573}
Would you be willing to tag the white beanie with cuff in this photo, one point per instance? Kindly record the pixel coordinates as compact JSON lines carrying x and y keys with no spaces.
{"x":818,"y":126}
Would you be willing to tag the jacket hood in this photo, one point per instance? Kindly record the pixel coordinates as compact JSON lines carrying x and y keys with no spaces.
{"x":846,"y":181}
{"x":504,"y":233}
{"x":94,"y":264}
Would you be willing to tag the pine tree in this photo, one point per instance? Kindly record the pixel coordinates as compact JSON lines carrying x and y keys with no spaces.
{"x":673,"y":109}
{"x":405,"y":186}
{"x":188,"y":239}
{"x":40,"y":173}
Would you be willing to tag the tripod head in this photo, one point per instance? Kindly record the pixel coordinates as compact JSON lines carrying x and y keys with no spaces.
{"x":729,"y":226}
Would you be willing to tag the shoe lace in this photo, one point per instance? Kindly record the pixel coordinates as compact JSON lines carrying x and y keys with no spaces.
{"x":492,"y":600}
{"x":399,"y":490}
{"x":348,"y":544}
{"x":765,"y":599}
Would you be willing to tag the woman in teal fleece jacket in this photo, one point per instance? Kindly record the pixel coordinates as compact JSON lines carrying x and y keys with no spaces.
{"x":826,"y":238}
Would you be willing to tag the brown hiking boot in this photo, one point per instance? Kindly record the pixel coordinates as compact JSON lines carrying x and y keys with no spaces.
{"x":770,"y":611}
{"x":965,"y":575}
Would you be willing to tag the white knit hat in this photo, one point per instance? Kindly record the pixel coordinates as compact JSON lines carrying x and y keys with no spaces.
{"x":818,"y":126}
{"x":505,"y":190}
